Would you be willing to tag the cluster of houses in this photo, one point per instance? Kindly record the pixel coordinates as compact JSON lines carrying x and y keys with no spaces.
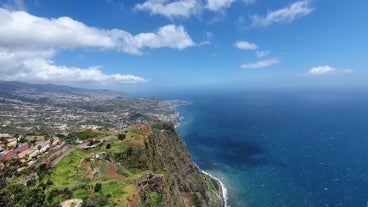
{"x":11,"y":148}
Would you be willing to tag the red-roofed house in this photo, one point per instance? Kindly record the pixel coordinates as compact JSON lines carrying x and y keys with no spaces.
{"x":13,"y":152}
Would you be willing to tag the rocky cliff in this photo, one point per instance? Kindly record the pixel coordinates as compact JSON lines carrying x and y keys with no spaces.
{"x":180,"y":182}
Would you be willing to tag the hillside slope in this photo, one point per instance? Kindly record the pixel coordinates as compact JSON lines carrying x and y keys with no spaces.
{"x":184,"y":184}
{"x":143,"y":166}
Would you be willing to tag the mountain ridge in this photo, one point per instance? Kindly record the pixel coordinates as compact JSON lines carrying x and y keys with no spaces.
{"x":18,"y":89}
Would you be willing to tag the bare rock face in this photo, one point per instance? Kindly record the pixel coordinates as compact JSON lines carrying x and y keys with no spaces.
{"x":151,"y":182}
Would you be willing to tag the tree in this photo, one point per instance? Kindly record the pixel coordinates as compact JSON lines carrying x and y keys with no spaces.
{"x":34,"y":197}
{"x":47,"y":137}
{"x":22,"y":139}
{"x":11,"y":194}
{"x":33,"y":141}
{"x":94,"y":200}
{"x":121,"y":136}
{"x":4,"y":141}
{"x":129,"y":151}
{"x":61,"y":136}
{"x":108,"y":146}
{"x":98,"y":187}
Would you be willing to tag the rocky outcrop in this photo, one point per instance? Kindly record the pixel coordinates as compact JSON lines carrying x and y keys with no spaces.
{"x":151,"y":182}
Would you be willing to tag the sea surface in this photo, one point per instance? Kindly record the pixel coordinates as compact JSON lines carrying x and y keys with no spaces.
{"x":282,"y":149}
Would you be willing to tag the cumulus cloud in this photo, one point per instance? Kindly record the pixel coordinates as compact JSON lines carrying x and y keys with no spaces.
{"x":28,"y":44}
{"x":182,"y":8}
{"x":21,"y":29}
{"x":287,"y":14}
{"x":261,"y":64}
{"x":244,"y":45}
{"x":167,"y":36}
{"x":37,"y":66}
{"x":324,"y":70}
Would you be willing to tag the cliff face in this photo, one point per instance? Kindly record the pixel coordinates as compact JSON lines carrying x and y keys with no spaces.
{"x":179,"y":181}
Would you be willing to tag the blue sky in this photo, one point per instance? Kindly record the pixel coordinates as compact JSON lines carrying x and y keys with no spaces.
{"x":174,"y":44}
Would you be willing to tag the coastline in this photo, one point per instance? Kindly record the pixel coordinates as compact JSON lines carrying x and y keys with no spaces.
{"x":223,"y":188}
{"x":224,"y":192}
{"x":178,"y":120}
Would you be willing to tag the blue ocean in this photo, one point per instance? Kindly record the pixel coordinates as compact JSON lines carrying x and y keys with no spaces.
{"x":281,"y":149}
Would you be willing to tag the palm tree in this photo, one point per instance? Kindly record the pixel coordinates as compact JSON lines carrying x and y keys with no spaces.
{"x":4,"y":141}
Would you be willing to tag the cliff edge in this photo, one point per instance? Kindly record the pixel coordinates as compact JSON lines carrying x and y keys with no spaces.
{"x":183,"y":184}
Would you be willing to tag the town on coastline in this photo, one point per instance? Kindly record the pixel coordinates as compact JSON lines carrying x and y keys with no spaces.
{"x":33,"y":118}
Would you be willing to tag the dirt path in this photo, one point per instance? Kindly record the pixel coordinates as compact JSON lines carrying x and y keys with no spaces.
{"x":71,"y":202}
{"x":67,"y":149}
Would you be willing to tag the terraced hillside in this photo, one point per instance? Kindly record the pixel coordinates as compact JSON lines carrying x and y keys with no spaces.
{"x":144,"y":166}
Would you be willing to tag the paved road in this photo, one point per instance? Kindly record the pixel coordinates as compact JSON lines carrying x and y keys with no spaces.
{"x":67,"y":149}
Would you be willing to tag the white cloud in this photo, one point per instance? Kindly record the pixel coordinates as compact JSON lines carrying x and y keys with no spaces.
{"x":320,"y":70}
{"x":288,"y":14}
{"x":244,"y":45}
{"x":182,"y":8}
{"x":185,"y":8}
{"x":217,"y":5}
{"x":323,"y":70}
{"x":20,"y":29}
{"x":261,"y":64}
{"x":28,"y":44}
{"x":262,"y":53}
{"x":37,"y":66}
{"x":168,"y":36}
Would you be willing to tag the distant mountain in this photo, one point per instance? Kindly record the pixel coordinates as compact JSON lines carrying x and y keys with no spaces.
{"x":27,"y":91}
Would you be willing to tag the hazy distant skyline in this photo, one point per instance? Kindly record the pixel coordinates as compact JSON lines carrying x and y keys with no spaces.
{"x":158,"y":44}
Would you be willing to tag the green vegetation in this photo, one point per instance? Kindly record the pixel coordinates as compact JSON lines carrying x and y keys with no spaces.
{"x":137,"y":137}
{"x":85,"y":134}
{"x":150,"y":167}
{"x":108,"y":146}
{"x":64,"y":174}
{"x":121,"y":136}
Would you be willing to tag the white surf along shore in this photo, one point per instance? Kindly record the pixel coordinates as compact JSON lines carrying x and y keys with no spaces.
{"x":223,"y":188}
